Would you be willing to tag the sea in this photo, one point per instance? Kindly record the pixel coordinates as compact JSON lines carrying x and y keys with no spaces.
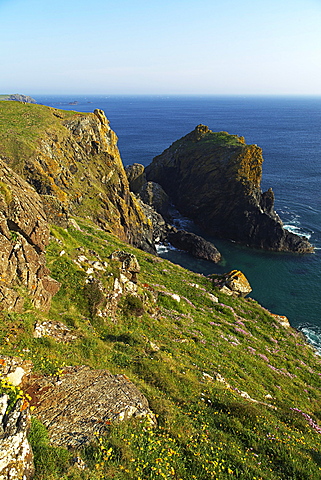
{"x":289,"y":131}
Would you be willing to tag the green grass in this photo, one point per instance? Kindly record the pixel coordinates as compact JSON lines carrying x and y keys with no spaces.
{"x":206,"y":429}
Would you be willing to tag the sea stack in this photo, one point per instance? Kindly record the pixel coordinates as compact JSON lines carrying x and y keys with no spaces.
{"x":215,"y":178}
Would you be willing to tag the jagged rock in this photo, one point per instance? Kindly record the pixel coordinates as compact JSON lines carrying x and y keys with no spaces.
{"x":159,"y":226}
{"x":136,"y":176}
{"x":16,"y":458}
{"x":24,"y":234}
{"x":56,"y":330}
{"x":214,"y":178}
{"x":82,"y":401}
{"x":130,"y":265}
{"x":232,"y":283}
{"x":154,"y":195}
{"x":194,"y":244}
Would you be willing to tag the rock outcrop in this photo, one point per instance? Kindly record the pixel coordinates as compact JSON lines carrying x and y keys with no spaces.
{"x":17,"y":97}
{"x":194,"y":244}
{"x":214,"y":178}
{"x":16,"y":458}
{"x":82,"y":402}
{"x":74,"y":157}
{"x":24,"y":234}
{"x":233,"y":283}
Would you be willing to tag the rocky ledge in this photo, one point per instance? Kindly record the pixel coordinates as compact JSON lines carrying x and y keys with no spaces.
{"x":215,"y":178}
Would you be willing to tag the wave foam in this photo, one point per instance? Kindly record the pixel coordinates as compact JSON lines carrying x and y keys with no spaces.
{"x":312,"y":334}
{"x":161,"y":248}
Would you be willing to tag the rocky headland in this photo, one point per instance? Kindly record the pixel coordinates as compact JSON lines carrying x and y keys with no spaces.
{"x":17,"y":97}
{"x":215,"y":179}
{"x":115,"y":363}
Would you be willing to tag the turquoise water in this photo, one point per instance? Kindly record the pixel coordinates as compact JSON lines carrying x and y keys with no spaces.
{"x":289,"y":131}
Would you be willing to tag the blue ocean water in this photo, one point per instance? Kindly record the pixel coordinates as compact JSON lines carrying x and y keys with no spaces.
{"x":289,"y":131}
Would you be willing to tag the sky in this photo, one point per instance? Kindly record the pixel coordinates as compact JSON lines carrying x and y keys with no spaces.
{"x":161,"y":47}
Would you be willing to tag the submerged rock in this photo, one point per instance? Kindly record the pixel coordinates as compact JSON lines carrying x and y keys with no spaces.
{"x":215,"y":178}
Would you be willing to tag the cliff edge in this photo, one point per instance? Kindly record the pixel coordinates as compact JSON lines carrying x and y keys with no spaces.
{"x":215,"y":178}
{"x":73,"y":162}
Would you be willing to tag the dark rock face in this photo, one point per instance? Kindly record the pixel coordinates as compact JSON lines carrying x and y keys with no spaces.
{"x":214,"y":178}
{"x":24,"y":235}
{"x":82,"y":402}
{"x":153,"y":194}
{"x":136,"y":176}
{"x":195,"y":245}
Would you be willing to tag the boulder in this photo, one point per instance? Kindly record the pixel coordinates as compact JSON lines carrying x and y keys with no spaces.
{"x":194,"y":244}
{"x":81,"y":402}
{"x":232,"y":283}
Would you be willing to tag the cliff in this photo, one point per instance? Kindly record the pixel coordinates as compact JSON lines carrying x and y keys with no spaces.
{"x":136,"y":368}
{"x":215,"y":178}
{"x":72,"y":161}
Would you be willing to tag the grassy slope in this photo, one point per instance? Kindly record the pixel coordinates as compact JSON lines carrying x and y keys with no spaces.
{"x":205,"y":430}
{"x":23,"y":124}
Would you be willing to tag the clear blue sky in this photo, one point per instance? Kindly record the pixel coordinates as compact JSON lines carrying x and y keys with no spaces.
{"x":161,"y":46}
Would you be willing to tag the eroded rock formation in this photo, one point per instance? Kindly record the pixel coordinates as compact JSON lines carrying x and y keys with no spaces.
{"x":24,"y":234}
{"x":214,"y":178}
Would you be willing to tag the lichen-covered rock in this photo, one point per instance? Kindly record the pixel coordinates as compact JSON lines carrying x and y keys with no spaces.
{"x":214,"y":178}
{"x":24,"y":234}
{"x":16,"y":458}
{"x":233,"y":283}
{"x":194,"y":244}
{"x":74,"y":157}
{"x":82,"y":401}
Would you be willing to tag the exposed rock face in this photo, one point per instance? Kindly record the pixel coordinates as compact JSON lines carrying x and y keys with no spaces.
{"x":214,"y":178}
{"x":153,"y":194}
{"x":193,"y":244}
{"x":136,"y":176}
{"x":24,"y":234}
{"x":82,"y":402}
{"x":16,"y":458}
{"x":75,"y":158}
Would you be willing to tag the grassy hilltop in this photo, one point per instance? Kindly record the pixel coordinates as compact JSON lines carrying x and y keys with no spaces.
{"x":236,"y":394}
{"x":173,"y":351}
